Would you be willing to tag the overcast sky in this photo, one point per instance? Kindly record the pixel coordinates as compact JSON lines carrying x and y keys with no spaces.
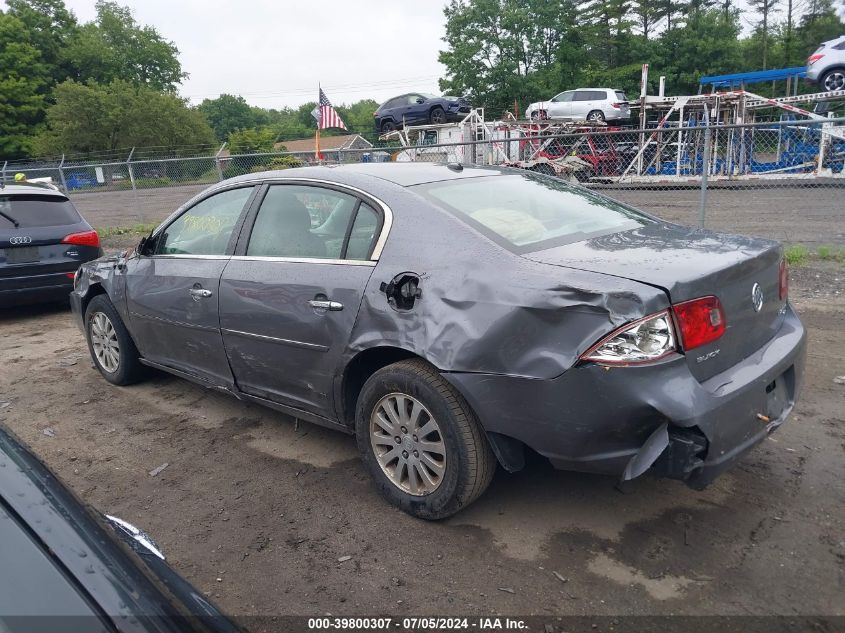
{"x":273,"y":52}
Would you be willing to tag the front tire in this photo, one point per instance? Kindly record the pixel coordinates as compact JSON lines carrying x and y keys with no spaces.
{"x":112,"y":348}
{"x":421,"y":442}
{"x":437,"y":116}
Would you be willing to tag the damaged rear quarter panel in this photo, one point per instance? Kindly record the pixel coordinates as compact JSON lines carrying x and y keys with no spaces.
{"x":483,"y":308}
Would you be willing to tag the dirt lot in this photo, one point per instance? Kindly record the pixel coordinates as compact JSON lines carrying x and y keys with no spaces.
{"x":257,"y":511}
{"x":795,"y":214}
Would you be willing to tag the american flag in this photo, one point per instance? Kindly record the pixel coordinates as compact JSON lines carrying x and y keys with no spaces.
{"x":328,"y":116}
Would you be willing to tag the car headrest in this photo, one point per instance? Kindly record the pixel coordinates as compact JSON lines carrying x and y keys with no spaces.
{"x":290,"y":214}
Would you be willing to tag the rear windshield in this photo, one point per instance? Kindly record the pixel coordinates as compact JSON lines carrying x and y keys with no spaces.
{"x":33,"y":210}
{"x":529,"y":212}
{"x":621,"y":95}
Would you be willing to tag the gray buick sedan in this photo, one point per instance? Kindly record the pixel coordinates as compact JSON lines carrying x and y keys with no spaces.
{"x":452,"y":317}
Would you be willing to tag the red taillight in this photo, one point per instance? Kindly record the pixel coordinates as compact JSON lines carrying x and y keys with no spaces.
{"x":783,"y":280}
{"x":616,"y":105}
{"x":700,"y":321}
{"x":87,"y":238}
{"x":812,"y":59}
{"x":375,"y":113}
{"x":70,"y":275}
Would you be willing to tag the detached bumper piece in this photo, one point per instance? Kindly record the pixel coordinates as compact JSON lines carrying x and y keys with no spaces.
{"x":685,"y":454}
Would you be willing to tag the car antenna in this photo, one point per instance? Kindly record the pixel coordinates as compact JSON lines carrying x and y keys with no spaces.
{"x":455,"y":166}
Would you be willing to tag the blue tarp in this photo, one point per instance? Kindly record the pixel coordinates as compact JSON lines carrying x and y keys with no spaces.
{"x":755,"y":77}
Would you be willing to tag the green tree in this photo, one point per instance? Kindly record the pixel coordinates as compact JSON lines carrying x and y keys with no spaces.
{"x":762,"y":32}
{"x":228,"y":113}
{"x":88,"y":117}
{"x":708,"y":44}
{"x":819,"y":24}
{"x":115,"y":46}
{"x":252,"y":141}
{"x":359,"y":116}
{"x":23,"y":78}
{"x":51,"y":27}
{"x":498,"y":51}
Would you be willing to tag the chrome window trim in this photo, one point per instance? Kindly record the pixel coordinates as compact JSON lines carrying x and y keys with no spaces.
{"x":305,"y":260}
{"x":387,"y":212}
{"x":185,"y":256}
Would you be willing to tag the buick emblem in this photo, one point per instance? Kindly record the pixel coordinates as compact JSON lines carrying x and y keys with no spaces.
{"x":757,"y":297}
{"x":20,"y":239}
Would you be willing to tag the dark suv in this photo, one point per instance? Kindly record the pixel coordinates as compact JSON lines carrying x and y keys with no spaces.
{"x":417,"y":108}
{"x":43,"y":241}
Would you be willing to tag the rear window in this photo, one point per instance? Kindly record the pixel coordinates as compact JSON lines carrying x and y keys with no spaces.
{"x":621,"y":96}
{"x":33,"y":210}
{"x":529,"y":212}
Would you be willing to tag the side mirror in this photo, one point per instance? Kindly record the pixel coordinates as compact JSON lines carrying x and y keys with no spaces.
{"x":420,"y":100}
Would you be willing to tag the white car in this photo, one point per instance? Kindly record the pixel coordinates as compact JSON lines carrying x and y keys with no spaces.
{"x":827,"y":65}
{"x":583,"y":104}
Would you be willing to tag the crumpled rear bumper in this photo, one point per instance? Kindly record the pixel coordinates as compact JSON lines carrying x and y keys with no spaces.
{"x":625,"y":421}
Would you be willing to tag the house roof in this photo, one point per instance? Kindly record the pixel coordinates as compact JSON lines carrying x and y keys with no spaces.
{"x":326,"y":143}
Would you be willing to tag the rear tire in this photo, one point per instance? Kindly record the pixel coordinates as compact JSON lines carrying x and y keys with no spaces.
{"x":596,"y":116}
{"x":455,"y":462}
{"x":833,"y":79}
{"x":387,"y":126}
{"x":112,"y":348}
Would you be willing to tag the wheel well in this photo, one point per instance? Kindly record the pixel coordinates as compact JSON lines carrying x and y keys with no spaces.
{"x":93,"y":291}
{"x":824,"y":73}
{"x":360,"y":368}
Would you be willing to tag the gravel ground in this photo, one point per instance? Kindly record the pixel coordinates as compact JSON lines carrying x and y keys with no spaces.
{"x":809,"y":215}
{"x":257,"y":511}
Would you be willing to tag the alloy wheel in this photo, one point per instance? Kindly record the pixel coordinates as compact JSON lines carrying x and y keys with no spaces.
{"x":104,"y":341}
{"x":408,"y":444}
{"x":835,"y":80}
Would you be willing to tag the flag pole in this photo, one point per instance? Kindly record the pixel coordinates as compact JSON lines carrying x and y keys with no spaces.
{"x":317,"y":135}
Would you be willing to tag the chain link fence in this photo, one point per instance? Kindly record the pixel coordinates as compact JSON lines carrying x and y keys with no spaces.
{"x":782,"y":179}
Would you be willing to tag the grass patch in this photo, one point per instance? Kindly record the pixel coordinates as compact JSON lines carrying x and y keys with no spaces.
{"x":136,"y":229}
{"x":798,"y":254}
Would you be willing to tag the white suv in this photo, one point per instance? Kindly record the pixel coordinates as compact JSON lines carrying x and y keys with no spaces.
{"x":584,"y":104}
{"x":827,"y":65}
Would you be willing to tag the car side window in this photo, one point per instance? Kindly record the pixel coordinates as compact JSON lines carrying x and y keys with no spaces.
{"x":413,"y":99}
{"x":564,"y":96}
{"x":363,"y":233}
{"x":583,"y":95}
{"x":205,"y":228}
{"x":301,"y":221}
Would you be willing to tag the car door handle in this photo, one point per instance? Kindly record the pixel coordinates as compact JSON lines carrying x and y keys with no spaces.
{"x":196,"y":293}
{"x":325,"y":304}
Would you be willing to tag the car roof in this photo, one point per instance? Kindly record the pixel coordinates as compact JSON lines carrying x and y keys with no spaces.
{"x":356,"y":174}
{"x":30,"y":189}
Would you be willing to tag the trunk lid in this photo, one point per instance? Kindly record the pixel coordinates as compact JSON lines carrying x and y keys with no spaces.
{"x":689,"y":263}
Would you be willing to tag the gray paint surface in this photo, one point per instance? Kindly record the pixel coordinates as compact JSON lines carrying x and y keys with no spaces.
{"x":505,"y":329}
